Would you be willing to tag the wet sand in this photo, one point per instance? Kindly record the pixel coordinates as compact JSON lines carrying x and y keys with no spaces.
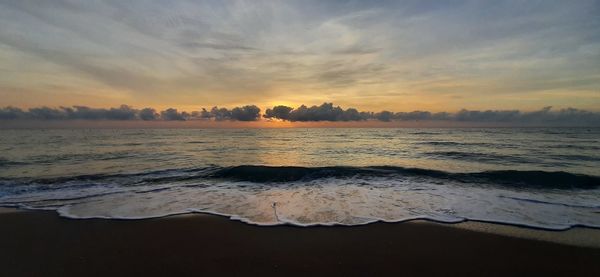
{"x":43,"y":244}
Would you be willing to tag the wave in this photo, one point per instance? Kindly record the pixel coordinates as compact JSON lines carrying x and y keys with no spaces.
{"x":552,"y":203}
{"x":308,"y":196}
{"x":577,"y":147}
{"x":425,"y":133}
{"x":279,"y":174}
{"x":540,"y":179}
{"x":445,"y":143}
{"x":466,"y":144}
{"x":576,"y":157}
{"x":7,"y":163}
{"x":479,"y":157}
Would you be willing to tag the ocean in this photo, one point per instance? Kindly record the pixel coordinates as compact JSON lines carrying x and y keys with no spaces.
{"x":537,"y":177}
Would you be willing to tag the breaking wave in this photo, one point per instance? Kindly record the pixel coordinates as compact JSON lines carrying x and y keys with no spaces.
{"x":307,"y":196}
{"x":542,"y":179}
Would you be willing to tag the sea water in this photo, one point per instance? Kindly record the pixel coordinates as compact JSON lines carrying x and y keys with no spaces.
{"x":538,"y":177}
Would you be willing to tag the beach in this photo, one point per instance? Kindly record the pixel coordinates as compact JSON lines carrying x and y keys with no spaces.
{"x":40,"y":243}
{"x":340,"y":202}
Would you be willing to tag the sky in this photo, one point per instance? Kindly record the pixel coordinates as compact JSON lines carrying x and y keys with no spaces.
{"x":370,"y":55}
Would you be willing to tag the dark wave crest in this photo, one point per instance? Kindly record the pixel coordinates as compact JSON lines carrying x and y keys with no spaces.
{"x":540,"y":179}
{"x":266,"y":174}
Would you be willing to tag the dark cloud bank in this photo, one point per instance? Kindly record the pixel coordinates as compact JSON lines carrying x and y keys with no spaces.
{"x":324,"y":112}
{"x":327,"y":112}
{"x":124,"y":112}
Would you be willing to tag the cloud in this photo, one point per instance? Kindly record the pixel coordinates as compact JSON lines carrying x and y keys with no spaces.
{"x":280,"y":112}
{"x":324,"y":112}
{"x":569,"y":116}
{"x":384,"y":116}
{"x":191,"y":45}
{"x":123,"y":112}
{"x":497,"y":116}
{"x":327,"y":112}
{"x":245,"y":113}
{"x":220,"y":113}
{"x":47,"y":113}
{"x":148,"y":114}
{"x":12,"y":113}
{"x":173,"y":114}
{"x":258,"y":51}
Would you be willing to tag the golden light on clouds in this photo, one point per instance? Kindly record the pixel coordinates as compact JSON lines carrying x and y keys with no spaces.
{"x":372,"y":55}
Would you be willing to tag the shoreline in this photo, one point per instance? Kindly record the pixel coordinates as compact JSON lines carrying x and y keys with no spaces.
{"x":581,"y":236}
{"x":36,"y":243}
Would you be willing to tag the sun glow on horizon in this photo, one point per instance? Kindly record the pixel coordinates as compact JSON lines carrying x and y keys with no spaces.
{"x":374,"y":56}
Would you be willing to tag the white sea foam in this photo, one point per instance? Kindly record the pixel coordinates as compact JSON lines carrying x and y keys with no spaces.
{"x":323,"y":201}
{"x":539,"y":177}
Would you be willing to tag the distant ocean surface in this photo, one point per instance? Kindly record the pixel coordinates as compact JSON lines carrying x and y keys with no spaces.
{"x":538,"y":177}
